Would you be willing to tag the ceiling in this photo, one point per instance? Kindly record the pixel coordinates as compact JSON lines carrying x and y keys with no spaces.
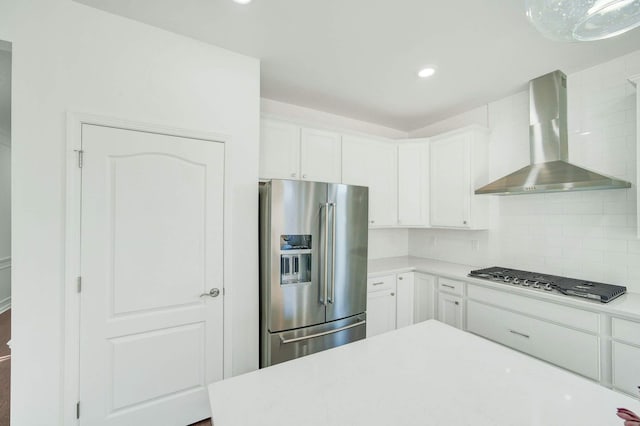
{"x":359,"y":58}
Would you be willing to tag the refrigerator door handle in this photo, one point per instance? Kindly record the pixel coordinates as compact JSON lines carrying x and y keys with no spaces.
{"x":325,"y":260}
{"x":333,"y":252}
{"x":324,"y":333}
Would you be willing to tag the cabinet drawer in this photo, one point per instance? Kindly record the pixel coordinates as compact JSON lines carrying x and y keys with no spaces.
{"x":576,"y":318}
{"x":384,"y":282}
{"x":628,"y":331}
{"x":626,"y":368}
{"x":574,"y":350}
{"x":451,"y":286}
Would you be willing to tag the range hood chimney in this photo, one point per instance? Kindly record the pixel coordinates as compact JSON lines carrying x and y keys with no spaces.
{"x":550,"y":170}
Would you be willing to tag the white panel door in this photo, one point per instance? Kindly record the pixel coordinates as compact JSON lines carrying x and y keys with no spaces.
{"x":450,"y":182}
{"x":320,"y":156}
{"x":152,"y":228}
{"x":279,"y":150}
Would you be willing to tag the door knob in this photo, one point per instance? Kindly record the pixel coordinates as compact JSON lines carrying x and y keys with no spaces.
{"x":214,"y":292}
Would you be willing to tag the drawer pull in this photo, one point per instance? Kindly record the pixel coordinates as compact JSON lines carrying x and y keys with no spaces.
{"x":378,"y":283}
{"x":519,"y":334}
{"x":448,"y":286}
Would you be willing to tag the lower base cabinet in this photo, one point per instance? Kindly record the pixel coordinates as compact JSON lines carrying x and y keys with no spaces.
{"x":572,"y":349}
{"x":381,"y":312}
{"x":424,"y":297}
{"x":450,"y":310}
{"x":626,"y":368}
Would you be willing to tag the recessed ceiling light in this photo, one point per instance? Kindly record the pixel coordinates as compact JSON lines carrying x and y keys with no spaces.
{"x":426,"y":72}
{"x":242,"y":1}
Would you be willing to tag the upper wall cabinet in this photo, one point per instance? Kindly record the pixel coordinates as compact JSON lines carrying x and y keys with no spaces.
{"x":279,"y":150}
{"x":373,"y":163}
{"x":413,"y":182}
{"x":458,"y":165}
{"x":288,"y":151}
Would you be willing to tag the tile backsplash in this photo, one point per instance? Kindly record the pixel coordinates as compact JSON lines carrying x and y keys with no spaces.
{"x":590,"y":234}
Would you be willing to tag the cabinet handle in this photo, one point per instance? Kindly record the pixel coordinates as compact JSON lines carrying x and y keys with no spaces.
{"x":526,"y":336}
{"x":393,"y":294}
{"x":456,"y":302}
{"x":464,"y":222}
{"x":378,"y":283}
{"x":448,"y":286}
{"x":400,"y":278}
{"x":372,"y":221}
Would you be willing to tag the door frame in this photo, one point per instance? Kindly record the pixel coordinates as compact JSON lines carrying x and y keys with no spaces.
{"x":72,"y":250}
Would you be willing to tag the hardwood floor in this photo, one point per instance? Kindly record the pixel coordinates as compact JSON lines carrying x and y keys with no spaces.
{"x":5,"y":366}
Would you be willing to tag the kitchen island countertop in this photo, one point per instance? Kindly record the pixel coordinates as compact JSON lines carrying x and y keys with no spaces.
{"x":425,"y":374}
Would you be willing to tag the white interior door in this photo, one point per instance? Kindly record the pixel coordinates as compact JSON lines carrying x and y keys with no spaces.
{"x":152,"y":227}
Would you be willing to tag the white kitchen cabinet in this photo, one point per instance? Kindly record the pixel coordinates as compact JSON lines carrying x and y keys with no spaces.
{"x":626,"y":368}
{"x":626,"y":356}
{"x":381,"y":312}
{"x":451,"y":310}
{"x":372,"y":163}
{"x":279,"y":150}
{"x":405,"y":299}
{"x":320,"y":156}
{"x":424,"y":299}
{"x":288,"y":151}
{"x":572,"y":349}
{"x":459,"y":165}
{"x":413,"y":182}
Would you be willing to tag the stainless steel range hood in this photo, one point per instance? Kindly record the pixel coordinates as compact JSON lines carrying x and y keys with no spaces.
{"x":549,"y":170}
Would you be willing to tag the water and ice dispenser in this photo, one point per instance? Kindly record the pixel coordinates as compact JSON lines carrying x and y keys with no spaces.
{"x":295,"y":259}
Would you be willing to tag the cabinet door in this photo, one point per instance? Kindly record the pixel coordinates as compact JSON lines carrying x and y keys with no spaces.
{"x":404,"y":299}
{"x":320,"y":156}
{"x":450,"y":182}
{"x":424,"y":307}
{"x":381,"y":312}
{"x":373,"y":163}
{"x":413,"y":184}
{"x":279,"y":150}
{"x":450,"y":310}
{"x":626,"y":368}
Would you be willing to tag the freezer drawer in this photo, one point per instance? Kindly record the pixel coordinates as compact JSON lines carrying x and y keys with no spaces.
{"x":287,"y":345}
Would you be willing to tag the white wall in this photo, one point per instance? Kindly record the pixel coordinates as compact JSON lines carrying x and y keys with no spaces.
{"x":588,"y":234}
{"x":388,"y":243}
{"x":69,"y":57}
{"x":5,"y":178}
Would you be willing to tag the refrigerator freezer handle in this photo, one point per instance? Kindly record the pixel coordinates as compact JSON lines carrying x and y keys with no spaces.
{"x":333,"y":252}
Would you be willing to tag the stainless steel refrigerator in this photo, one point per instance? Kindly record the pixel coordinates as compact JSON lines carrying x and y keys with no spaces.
{"x":313,"y":267}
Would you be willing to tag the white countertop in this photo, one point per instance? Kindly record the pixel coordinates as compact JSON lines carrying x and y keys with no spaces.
{"x":627,"y":306}
{"x":425,"y":374}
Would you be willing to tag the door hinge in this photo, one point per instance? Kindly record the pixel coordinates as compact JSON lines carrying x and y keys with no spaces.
{"x":79,"y":280}
{"x":78,"y":410}
{"x":80,"y":157}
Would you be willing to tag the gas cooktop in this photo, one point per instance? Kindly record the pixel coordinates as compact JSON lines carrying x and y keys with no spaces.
{"x":603,"y":293}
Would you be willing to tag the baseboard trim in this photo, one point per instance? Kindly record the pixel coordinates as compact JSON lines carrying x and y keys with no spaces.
{"x":5,"y":305}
